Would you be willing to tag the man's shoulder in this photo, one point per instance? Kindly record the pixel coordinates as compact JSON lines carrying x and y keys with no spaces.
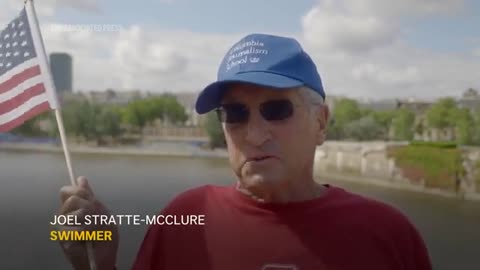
{"x":363,"y":208}
{"x":373,"y":219}
{"x":193,"y":199}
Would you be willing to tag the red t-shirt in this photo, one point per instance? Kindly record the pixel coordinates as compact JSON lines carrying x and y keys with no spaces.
{"x":339,"y":230}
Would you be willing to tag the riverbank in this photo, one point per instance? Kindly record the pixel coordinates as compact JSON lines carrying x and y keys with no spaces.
{"x":188,"y":151}
{"x":329,"y":177}
{"x":170,"y":150}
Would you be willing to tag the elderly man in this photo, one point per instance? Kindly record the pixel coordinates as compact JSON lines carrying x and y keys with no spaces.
{"x":270,"y":100}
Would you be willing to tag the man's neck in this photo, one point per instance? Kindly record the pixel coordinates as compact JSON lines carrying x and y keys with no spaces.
{"x":283,"y":194}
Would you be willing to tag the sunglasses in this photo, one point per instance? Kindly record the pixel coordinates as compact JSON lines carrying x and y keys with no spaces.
{"x":273,"y":110}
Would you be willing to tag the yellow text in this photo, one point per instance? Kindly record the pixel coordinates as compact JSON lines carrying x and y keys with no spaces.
{"x":81,"y":236}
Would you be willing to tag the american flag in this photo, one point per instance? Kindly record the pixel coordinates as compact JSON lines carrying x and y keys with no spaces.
{"x":25,"y":89}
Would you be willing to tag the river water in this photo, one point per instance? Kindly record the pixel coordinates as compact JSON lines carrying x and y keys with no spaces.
{"x":30,"y":184}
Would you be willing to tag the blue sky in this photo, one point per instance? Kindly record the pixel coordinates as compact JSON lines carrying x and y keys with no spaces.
{"x":459,"y":32}
{"x":364,"y":48}
{"x":203,"y":16}
{"x":454,"y":32}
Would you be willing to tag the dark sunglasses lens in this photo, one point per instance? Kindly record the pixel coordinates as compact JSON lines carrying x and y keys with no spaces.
{"x":277,"y":110}
{"x":233,"y":113}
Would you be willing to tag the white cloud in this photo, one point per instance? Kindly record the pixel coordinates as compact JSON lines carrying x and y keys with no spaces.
{"x":137,"y":58}
{"x":85,"y":5}
{"x":359,"y":51}
{"x":385,"y":75}
{"x":400,"y":9}
{"x":353,"y":26}
{"x":159,"y":60}
{"x":397,"y":71}
{"x":45,"y":8}
{"x":335,"y":31}
{"x":476,"y":52}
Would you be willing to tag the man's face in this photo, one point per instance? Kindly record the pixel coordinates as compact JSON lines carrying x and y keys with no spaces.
{"x":266,"y":154}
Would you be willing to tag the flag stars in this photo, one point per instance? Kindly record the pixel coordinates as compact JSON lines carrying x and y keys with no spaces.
{"x":15,"y":45}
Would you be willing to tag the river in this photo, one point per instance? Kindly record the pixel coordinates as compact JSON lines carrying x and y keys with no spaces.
{"x":29,"y":197}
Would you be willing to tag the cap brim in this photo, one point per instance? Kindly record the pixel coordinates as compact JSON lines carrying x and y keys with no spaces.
{"x":211,"y":96}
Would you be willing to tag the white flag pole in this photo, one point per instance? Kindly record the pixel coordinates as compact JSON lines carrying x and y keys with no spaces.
{"x":54,"y":104}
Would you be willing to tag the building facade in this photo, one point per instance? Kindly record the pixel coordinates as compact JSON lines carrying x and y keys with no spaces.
{"x":61,"y":65}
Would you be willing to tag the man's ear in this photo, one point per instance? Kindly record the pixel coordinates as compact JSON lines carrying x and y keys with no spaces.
{"x":323,"y":116}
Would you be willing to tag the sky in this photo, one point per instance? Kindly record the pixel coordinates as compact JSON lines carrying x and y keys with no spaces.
{"x":366,"y":49}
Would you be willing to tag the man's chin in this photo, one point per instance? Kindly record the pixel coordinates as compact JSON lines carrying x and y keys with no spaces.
{"x":260,"y":180}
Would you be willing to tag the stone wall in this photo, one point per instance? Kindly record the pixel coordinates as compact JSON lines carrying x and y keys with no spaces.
{"x":369,"y":160}
{"x":471,"y":164}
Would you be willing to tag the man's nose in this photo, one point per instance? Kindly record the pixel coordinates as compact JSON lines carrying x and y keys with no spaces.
{"x":258,"y":131}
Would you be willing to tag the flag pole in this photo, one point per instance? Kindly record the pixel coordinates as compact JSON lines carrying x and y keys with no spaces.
{"x":53,"y":100}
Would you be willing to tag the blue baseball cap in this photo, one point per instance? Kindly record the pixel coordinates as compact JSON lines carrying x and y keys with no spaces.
{"x":265,"y":60}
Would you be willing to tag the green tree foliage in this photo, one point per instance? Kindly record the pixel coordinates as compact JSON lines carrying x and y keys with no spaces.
{"x":29,"y":129}
{"x":476,"y":128}
{"x":402,"y":124}
{"x":363,"y":129}
{"x":108,"y":122}
{"x":437,"y":163}
{"x":465,"y":127}
{"x":445,"y":114}
{"x":442,"y":114}
{"x":79,"y":119}
{"x":89,"y":121}
{"x":214,"y":130}
{"x":384,"y":120}
{"x":143,"y":111}
{"x":173,"y":111}
{"x":92,"y":121}
{"x":345,"y":111}
{"x":137,"y":114}
{"x":334,"y":132}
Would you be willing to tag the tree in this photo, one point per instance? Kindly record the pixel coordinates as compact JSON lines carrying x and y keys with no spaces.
{"x":29,"y":128}
{"x":384,"y":120}
{"x":402,"y":124}
{"x":333,"y":130}
{"x":214,"y":130}
{"x":137,"y":114}
{"x":363,"y":129}
{"x":143,"y":111}
{"x":108,"y":122}
{"x":173,"y":110}
{"x":92,"y":121}
{"x":345,"y":111}
{"x":476,"y":136}
{"x":442,"y":114}
{"x":465,"y":127}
